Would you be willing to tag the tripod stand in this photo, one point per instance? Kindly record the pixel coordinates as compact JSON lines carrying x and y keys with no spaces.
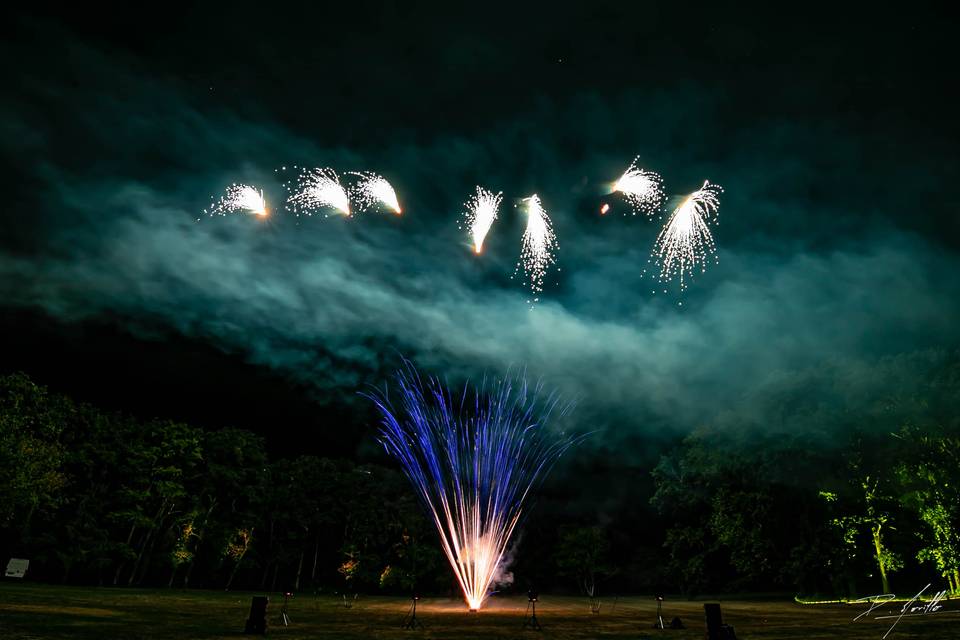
{"x":410,"y":621}
{"x":531,"y":621}
{"x":659,"y":622}
{"x":284,"y":618}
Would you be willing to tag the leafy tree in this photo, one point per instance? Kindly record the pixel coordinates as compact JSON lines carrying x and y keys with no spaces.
{"x":82,"y":531}
{"x":682,"y":496}
{"x":416,"y":561}
{"x":222,"y":497}
{"x":869,"y":513}
{"x":740,"y":519}
{"x":930,"y":474}
{"x":582,"y":553}
{"x":236,"y":548}
{"x":732,"y":504}
{"x":159,"y":462}
{"x":31,"y":423}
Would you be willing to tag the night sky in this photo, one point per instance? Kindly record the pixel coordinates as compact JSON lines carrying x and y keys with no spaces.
{"x":832,"y":130}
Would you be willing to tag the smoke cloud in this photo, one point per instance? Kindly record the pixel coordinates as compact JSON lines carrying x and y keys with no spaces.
{"x":823,"y":286}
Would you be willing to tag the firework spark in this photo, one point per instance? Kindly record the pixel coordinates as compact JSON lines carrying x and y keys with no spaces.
{"x":318,"y":189}
{"x":685,"y":241}
{"x":481,"y":211}
{"x":642,"y":189}
{"x":372,"y":190}
{"x":473,"y":461}
{"x":539,"y":244}
{"x":239,"y":197}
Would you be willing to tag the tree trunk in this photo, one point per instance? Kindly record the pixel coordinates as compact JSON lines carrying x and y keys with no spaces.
{"x":116,"y":576}
{"x":313,"y":570}
{"x":145,"y":567}
{"x":266,"y":574}
{"x":878,"y":545}
{"x":233,"y":573}
{"x":196,"y":546}
{"x":149,"y":542}
{"x":239,"y":560}
{"x":186,"y":576}
{"x":266,"y":568}
{"x":296,"y":582}
{"x":25,"y":529}
{"x":143,"y":549}
{"x":141,"y":545}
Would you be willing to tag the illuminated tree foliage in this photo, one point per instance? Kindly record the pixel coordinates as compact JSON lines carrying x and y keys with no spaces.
{"x":930,"y":474}
{"x":872,"y":518}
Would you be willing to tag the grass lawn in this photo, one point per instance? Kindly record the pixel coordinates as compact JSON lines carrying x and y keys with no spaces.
{"x":41,"y":611}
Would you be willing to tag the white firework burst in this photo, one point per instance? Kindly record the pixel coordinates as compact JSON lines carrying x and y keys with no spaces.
{"x":372,"y":190}
{"x":318,"y":189}
{"x":480,"y":213}
{"x":239,"y":198}
{"x":539,"y":244}
{"x":642,"y":189}
{"x":685,"y":242}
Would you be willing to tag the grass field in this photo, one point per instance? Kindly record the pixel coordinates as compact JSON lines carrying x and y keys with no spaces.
{"x":40,"y":611}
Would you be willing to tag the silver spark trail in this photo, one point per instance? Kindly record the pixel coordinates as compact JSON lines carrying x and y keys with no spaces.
{"x":372,"y":190}
{"x":479,"y":215}
{"x":686,"y":243}
{"x":538,"y":245}
{"x":642,"y":189}
{"x":239,"y":198}
{"x":318,"y":189}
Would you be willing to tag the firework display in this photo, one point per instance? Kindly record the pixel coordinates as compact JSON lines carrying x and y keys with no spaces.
{"x":538,"y":245}
{"x":318,"y":189}
{"x":686,"y":243}
{"x":479,"y":215}
{"x":642,"y":189}
{"x":373,"y":190}
{"x":239,"y":198}
{"x":473,"y":460}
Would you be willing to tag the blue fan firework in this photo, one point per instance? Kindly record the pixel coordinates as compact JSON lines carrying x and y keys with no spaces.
{"x":473,"y":460}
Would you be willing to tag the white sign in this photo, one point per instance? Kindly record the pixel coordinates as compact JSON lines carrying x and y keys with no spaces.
{"x":17,"y":568}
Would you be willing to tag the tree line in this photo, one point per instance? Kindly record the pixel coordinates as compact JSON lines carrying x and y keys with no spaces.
{"x":92,"y":497}
{"x":834,"y":502}
{"x":789,"y":517}
{"x":855,"y":503}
